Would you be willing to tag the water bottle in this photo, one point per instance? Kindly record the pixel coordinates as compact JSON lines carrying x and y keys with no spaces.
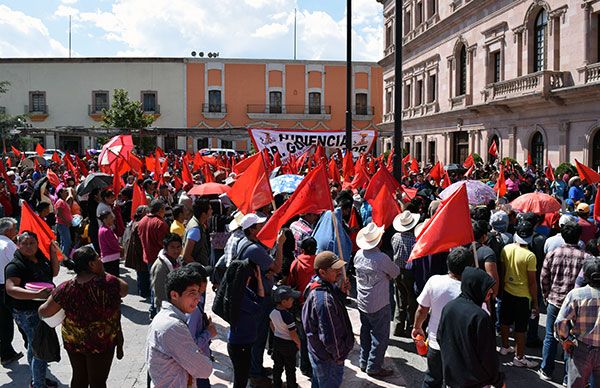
{"x":421,"y":345}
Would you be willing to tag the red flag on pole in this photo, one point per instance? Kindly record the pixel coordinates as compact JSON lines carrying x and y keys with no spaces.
{"x":500,"y":186}
{"x":381,"y":179}
{"x":139,"y":199}
{"x":414,"y":166}
{"x":311,"y":196}
{"x":55,"y":158}
{"x":252,"y":190}
{"x":597,"y":206}
{"x":550,"y":172}
{"x":348,"y":166}
{"x":276,"y":160}
{"x":52,"y":178}
{"x":33,"y":223}
{"x":186,"y":176}
{"x":135,"y":163}
{"x":587,"y":173}
{"x":334,"y":172}
{"x":529,"y":161}
{"x":493,"y":149}
{"x":469,"y":171}
{"x":469,"y":161}
{"x":16,"y":151}
{"x":385,"y":207}
{"x":9,"y":182}
{"x":361,"y":179}
{"x":39,"y":149}
{"x":436,"y":237}
{"x":242,"y":165}
{"x":446,"y":182}
{"x":437,"y":172}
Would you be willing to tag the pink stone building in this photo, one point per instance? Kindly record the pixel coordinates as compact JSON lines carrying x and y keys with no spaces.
{"x":525,"y":73}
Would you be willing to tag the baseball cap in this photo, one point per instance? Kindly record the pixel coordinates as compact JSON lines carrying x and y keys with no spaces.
{"x":328,"y":259}
{"x":566,"y":218}
{"x":251,"y":219}
{"x":284,"y":292}
{"x":583,"y":207}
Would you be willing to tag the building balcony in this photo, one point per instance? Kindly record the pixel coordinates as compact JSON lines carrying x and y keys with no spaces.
{"x":214,"y":111}
{"x":288,"y":112}
{"x":390,"y":49}
{"x":363,"y":113}
{"x":36,"y":113}
{"x":541,"y":82}
{"x":420,"y":110}
{"x":592,"y":73}
{"x":388,"y":117}
{"x":152,"y":111}
{"x":461,"y":102}
{"x":95,"y":111}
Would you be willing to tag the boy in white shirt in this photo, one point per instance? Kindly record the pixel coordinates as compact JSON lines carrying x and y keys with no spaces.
{"x":286,"y":342}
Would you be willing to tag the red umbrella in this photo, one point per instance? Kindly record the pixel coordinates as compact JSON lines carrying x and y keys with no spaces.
{"x":210,"y":188}
{"x":538,"y":203}
{"x":118,"y":145}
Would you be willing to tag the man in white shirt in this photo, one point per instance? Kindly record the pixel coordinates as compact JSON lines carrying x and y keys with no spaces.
{"x":8,"y":231}
{"x":438,"y":291}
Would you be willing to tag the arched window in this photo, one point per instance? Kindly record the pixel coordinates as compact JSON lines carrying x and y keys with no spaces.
{"x":462,"y":71}
{"x":494,"y":139}
{"x":537,"y":149}
{"x":539,"y":41}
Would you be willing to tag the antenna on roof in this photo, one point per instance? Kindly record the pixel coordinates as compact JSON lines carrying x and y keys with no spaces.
{"x":69,"y":36}
{"x":294,"y":33}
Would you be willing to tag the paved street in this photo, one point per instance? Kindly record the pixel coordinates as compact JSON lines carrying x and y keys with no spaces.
{"x":130,"y":371}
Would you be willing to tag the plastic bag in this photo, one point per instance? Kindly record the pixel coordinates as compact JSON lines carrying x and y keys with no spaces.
{"x":45,"y":343}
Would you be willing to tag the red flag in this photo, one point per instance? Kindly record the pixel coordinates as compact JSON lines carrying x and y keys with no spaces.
{"x":469,"y":171}
{"x":302,"y":159}
{"x":550,"y":172}
{"x":334,"y":172}
{"x":436,"y":236}
{"x":311,"y":196}
{"x":406,"y":159}
{"x":276,"y":160}
{"x":33,"y":223}
{"x":493,"y":149}
{"x":390,"y":159}
{"x":139,"y":199}
{"x":414,"y":166}
{"x":597,"y":206}
{"x":52,"y":178}
{"x":149,"y":162}
{"x":242,"y":165}
{"x":500,"y":186}
{"x":55,"y":158}
{"x":185,"y":174}
{"x":157,"y":168}
{"x":385,"y":207}
{"x":81,"y":165}
{"x":469,"y":161}
{"x":39,"y":149}
{"x":177,"y":184}
{"x":371,"y":167}
{"x":117,"y":183}
{"x":587,"y":173}
{"x":382,"y":179}
{"x":320,"y":153}
{"x":36,"y":165}
{"x":252,"y":190}
{"x":8,"y":162}
{"x":348,"y":166}
{"x":529,"y":161}
{"x":16,"y":151}
{"x":9,"y":183}
{"x":159,"y":152}
{"x":135,"y":163}
{"x":437,"y":172}
{"x":197,"y":161}
{"x":208,"y":174}
{"x":361,"y":179}
{"x":446,"y":182}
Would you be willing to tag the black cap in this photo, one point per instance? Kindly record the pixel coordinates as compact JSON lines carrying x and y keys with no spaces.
{"x":284,"y":292}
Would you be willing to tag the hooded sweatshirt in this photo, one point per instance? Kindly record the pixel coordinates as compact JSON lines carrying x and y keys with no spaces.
{"x":466,"y":336}
{"x":301,"y":272}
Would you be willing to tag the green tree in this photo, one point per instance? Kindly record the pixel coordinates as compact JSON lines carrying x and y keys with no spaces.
{"x":129,"y":115}
{"x":8,"y":122}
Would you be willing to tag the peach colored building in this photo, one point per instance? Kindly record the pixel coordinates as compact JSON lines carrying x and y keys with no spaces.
{"x":525,"y":73}
{"x":241,"y":93}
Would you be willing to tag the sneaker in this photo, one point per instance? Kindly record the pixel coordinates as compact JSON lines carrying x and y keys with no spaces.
{"x":381,"y":373}
{"x":505,"y":351}
{"x":524,"y":363}
{"x":544,"y":376}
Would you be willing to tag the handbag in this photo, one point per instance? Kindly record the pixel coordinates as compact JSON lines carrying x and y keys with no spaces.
{"x":45,"y":344}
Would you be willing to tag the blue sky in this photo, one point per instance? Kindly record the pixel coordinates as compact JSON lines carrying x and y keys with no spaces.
{"x":234,"y":28}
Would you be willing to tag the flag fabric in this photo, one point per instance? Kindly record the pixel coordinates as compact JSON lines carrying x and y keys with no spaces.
{"x":381,"y":179}
{"x":159,"y":152}
{"x":117,"y":182}
{"x":390,"y":159}
{"x":587,"y":173}
{"x":348,"y":166}
{"x":243,"y":164}
{"x":550,"y":172}
{"x":437,"y":172}
{"x":8,"y":162}
{"x":277,"y":160}
{"x":311,"y":196}
{"x":186,"y":176}
{"x":39,"y":149}
{"x":436,"y":236}
{"x":135,"y":163}
{"x":334,"y":172}
{"x":469,"y":161}
{"x":500,"y":186}
{"x":52,"y":178}
{"x":139,"y":199}
{"x":361,"y":179}
{"x":55,"y":158}
{"x":529,"y":160}
{"x":385,"y":207}
{"x":414,"y":166}
{"x":469,"y":171}
{"x":446,"y":182}
{"x":16,"y":151}
{"x":252,"y":190}
{"x":9,"y":182}
{"x":597,"y":206}
{"x":301,"y":160}
{"x":320,"y":153}
{"x":31,"y":222}
{"x":493,"y":149}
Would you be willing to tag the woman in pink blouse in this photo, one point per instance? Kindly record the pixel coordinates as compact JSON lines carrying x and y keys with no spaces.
{"x":110,"y":250}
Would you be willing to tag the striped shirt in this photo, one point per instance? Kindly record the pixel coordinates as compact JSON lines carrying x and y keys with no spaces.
{"x":559,"y":272}
{"x":403,"y":244}
{"x":579,"y":316}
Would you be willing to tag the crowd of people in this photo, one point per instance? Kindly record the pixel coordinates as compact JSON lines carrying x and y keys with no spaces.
{"x":291,"y":300}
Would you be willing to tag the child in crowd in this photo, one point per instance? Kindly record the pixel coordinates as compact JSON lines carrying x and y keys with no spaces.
{"x":286,"y":342}
{"x":200,"y":324}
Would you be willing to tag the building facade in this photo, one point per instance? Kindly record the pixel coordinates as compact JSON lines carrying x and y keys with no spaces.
{"x":523,"y":73}
{"x":196,"y":102}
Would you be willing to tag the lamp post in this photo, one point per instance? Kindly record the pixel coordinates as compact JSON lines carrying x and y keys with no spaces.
{"x":348,"y":75}
{"x":398,"y":146}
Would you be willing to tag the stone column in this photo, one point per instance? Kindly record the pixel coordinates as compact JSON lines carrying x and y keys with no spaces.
{"x":512,"y":142}
{"x":586,"y":32}
{"x":425,"y":149}
{"x":446,"y":148}
{"x":563,"y":141}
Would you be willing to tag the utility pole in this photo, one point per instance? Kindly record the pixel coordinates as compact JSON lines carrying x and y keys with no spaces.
{"x":294,"y":34}
{"x":398,"y":140}
{"x":348,"y":75}
{"x":69,"y":36}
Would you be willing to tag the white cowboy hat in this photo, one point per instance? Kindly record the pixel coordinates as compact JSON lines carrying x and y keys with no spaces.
{"x":405,"y":221}
{"x":369,"y":236}
{"x":419,"y":227}
{"x":236,"y":222}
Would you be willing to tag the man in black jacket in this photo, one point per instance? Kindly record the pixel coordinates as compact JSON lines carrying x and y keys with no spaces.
{"x":466,"y":335}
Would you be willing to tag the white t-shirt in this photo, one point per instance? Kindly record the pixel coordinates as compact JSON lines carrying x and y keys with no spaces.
{"x":438,"y":291}
{"x":283,"y":322}
{"x":7,"y":253}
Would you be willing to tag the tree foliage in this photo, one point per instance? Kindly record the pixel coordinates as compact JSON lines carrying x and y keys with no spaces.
{"x":8,"y":122}
{"x":125,"y":113}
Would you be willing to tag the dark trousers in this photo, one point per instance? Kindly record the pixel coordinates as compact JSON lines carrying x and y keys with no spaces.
{"x":112,"y":267}
{"x":406,"y":302}
{"x":240,"y":358}
{"x":434,"y":376}
{"x":90,"y":369}
{"x":6,"y":328}
{"x":258,"y":347}
{"x":143,"y":282}
{"x":284,"y":356}
{"x":305,"y":366}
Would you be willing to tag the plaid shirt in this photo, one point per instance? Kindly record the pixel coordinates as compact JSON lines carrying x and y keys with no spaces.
{"x":559,"y":272}
{"x":579,"y":316}
{"x":301,"y":230}
{"x":402,"y":244}
{"x":231,"y":246}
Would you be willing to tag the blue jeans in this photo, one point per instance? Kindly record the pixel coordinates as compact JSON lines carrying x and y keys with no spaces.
{"x":550,"y":343}
{"x":28,"y":320}
{"x":64,"y":233}
{"x":374,"y":338}
{"x":258,"y":347}
{"x":326,"y":374}
{"x":584,"y":364}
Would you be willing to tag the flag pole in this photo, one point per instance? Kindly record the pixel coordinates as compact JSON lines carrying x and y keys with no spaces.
{"x":339,"y":243}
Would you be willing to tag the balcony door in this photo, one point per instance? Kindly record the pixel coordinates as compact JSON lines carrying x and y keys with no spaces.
{"x":460,"y":147}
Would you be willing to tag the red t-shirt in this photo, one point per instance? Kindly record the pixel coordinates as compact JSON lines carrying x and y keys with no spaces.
{"x":152,"y":230}
{"x":63,"y":212}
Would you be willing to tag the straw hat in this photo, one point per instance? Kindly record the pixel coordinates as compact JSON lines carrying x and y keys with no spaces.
{"x":369,"y":236}
{"x":405,"y":221}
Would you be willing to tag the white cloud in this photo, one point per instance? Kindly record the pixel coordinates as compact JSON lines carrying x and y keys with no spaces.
{"x":65,"y":11}
{"x":270,"y":31}
{"x":68,"y":1}
{"x":26,"y":36}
